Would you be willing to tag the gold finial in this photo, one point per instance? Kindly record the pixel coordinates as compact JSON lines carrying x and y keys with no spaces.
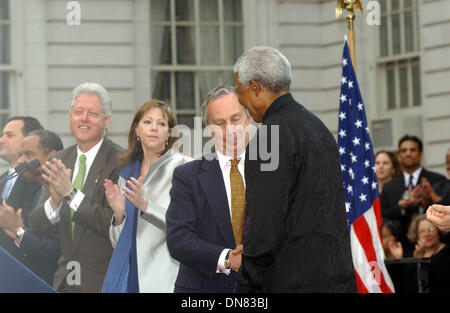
{"x":350,"y":6}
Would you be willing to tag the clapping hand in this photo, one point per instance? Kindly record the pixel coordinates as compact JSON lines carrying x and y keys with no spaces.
{"x":116,"y":201}
{"x":429,"y":195}
{"x":10,"y":220}
{"x":58,"y":178}
{"x":136,"y":193}
{"x":415,"y":197}
{"x":419,"y":251}
{"x":396,"y":249}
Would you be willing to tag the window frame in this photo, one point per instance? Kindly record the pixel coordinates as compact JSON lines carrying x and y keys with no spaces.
{"x":394,"y":61}
{"x":14,"y":69}
{"x":196,"y":68}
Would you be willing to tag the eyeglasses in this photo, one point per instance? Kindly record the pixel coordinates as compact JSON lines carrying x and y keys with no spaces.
{"x":428,"y":230}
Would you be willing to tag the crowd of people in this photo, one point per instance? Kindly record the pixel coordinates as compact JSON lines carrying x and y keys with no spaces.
{"x":150,"y":219}
{"x":408,"y":192}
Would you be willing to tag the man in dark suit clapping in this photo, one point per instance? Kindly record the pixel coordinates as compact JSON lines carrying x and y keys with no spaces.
{"x":17,"y":192}
{"x":38,"y":254}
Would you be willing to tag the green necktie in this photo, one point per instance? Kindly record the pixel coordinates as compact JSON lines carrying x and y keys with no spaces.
{"x":78,"y":183}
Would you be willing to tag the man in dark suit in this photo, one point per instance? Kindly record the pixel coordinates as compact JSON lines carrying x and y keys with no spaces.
{"x":17,"y":192}
{"x":74,"y":201}
{"x":205,"y":216}
{"x":296,"y":236}
{"x":38,"y":254}
{"x":402,"y":197}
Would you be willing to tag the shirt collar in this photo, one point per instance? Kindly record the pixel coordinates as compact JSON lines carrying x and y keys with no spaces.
{"x":415,"y":175}
{"x":90,"y":155}
{"x":224,"y":160}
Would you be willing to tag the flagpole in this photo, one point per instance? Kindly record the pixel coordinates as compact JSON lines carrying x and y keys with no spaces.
{"x":350,"y":6}
{"x":351,"y":40}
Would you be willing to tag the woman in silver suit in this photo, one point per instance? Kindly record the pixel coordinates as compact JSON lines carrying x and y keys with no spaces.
{"x":141,"y":261}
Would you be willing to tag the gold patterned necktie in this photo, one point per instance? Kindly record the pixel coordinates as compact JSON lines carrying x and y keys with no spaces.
{"x":237,"y":201}
{"x":78,"y":183}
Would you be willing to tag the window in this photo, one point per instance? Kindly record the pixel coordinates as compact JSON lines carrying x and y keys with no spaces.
{"x":5,"y":60}
{"x":195,"y":44}
{"x":399,"y":59}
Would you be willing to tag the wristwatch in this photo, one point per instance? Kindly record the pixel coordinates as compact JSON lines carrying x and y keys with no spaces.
{"x":70,"y":195}
{"x":20,"y":233}
{"x":227,"y":262}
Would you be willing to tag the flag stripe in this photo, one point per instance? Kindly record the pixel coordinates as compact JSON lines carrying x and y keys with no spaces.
{"x":361,"y":287}
{"x":364,"y":235}
{"x":361,"y":262}
{"x":377,"y":210}
{"x":378,"y":248}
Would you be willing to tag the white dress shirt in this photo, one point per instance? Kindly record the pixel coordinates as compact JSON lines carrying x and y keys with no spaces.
{"x":9,"y":185}
{"x":415,"y":175}
{"x":415,"y":181}
{"x":54,"y":216}
{"x":225,"y":167}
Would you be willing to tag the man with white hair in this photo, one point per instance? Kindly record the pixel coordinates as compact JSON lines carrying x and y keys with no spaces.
{"x":74,"y":199}
{"x":296,"y":236}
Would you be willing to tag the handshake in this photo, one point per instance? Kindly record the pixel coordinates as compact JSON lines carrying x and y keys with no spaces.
{"x":235,"y":258}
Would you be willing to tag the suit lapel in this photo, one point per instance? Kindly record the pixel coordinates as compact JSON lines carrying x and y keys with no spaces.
{"x":423,"y":173}
{"x":17,"y":193}
{"x":2,"y":185}
{"x":211,"y":181}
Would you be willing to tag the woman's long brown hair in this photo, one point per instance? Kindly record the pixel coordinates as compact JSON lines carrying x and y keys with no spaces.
{"x":135,"y":151}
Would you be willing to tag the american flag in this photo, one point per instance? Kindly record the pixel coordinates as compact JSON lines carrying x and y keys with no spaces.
{"x":360,"y":186}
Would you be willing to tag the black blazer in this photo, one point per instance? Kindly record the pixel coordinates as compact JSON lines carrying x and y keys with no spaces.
{"x":393,"y":191}
{"x":199,"y":226}
{"x":22,"y":197}
{"x":296,"y":236}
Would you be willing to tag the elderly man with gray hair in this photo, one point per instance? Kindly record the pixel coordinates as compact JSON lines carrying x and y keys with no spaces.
{"x":73,"y":199}
{"x":296,"y":237}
